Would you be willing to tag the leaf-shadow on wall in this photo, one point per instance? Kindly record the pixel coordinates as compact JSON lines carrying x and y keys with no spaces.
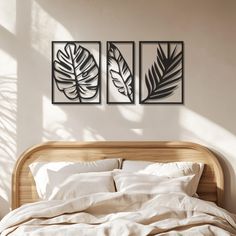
{"x":8,"y":109}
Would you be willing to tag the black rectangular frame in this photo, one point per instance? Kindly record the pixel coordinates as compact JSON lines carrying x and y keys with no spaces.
{"x":133,"y":65}
{"x":140,"y":73}
{"x":99,"y":73}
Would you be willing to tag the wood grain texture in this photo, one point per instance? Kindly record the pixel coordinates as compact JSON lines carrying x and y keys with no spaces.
{"x":211,"y":186}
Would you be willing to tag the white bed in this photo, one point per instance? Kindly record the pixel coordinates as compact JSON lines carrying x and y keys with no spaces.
{"x":127,"y":208}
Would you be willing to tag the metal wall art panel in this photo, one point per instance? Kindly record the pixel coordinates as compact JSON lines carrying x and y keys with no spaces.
{"x":120,"y":72}
{"x":161,"y":72}
{"x":76,"y":76}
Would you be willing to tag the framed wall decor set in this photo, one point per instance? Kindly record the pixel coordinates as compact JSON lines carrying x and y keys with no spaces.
{"x":76,"y":72}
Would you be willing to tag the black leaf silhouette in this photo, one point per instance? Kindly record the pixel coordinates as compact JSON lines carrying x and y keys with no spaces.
{"x":119,"y":70}
{"x":76,"y":72}
{"x":164,"y":75}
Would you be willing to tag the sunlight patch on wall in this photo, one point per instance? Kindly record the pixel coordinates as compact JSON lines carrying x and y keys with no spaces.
{"x":207,"y":131}
{"x":54,"y":119}
{"x":90,"y":134}
{"x":131,"y":113}
{"x":139,"y":132}
{"x":45,"y":29}
{"x":8,"y":108}
{"x":8,"y":95}
{"x":8,"y":65}
{"x":8,"y":15}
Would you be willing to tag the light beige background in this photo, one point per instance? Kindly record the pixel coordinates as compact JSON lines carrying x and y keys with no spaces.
{"x":27,"y":116}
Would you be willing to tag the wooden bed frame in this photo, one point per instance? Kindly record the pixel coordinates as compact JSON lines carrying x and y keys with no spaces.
{"x":211,"y":186}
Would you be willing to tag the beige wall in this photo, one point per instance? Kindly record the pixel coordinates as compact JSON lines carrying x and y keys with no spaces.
{"x":27,"y":116}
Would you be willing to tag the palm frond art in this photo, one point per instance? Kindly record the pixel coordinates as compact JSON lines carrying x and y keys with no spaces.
{"x":164,"y":76}
{"x":120,"y":72}
{"x":76,"y":73}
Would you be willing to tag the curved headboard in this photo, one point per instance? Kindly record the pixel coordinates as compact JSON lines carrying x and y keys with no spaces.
{"x":211,"y":184}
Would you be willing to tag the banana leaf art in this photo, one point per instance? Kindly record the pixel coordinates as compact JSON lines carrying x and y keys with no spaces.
{"x":120,"y":72}
{"x":76,"y":72}
{"x":161,"y":72}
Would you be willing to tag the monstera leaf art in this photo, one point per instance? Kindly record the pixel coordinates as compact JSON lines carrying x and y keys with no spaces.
{"x":76,"y":73}
{"x":163,"y":78}
{"x":120,"y":73}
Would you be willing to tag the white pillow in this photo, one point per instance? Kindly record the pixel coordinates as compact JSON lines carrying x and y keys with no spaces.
{"x":47,"y":175}
{"x":178,"y":169}
{"x":151,"y":184}
{"x":161,"y":178}
{"x":173,"y":169}
{"x":132,"y":166}
{"x":83,"y":184}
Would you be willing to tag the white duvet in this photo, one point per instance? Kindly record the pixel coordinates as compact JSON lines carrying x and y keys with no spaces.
{"x":120,"y":214}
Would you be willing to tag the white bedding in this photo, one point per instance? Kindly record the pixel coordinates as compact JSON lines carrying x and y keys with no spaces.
{"x":48,"y":175}
{"x":82,"y":184}
{"x":149,"y":183}
{"x":120,"y":214}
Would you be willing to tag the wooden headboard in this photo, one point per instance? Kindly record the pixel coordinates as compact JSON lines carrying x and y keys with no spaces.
{"x":210,"y":188}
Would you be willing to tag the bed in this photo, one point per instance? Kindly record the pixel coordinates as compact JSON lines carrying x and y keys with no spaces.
{"x":120,"y":213}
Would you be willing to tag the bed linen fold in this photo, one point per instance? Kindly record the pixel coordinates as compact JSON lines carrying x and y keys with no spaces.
{"x":120,"y":214}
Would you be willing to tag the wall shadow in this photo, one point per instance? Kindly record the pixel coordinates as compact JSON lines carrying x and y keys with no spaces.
{"x":8,"y":138}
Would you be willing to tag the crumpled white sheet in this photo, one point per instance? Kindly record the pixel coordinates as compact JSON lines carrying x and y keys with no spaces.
{"x":120,"y":214}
